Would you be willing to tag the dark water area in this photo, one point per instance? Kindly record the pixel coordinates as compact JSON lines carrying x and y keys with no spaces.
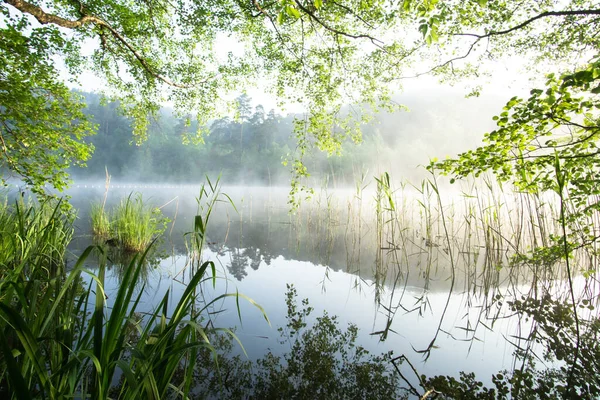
{"x":440,"y":300}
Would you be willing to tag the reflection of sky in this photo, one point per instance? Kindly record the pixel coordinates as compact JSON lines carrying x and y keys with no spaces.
{"x":261,"y":230}
{"x":267,"y":287}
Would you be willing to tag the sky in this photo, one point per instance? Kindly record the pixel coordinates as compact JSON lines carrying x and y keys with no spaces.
{"x":507,"y":77}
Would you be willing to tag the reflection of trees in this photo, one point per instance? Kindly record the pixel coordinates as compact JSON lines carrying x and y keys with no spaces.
{"x":237,"y":264}
{"x":254,"y":257}
{"x":267,"y":258}
{"x":241,"y":258}
{"x":267,"y":236}
{"x":120,"y":260}
{"x":323,"y":360}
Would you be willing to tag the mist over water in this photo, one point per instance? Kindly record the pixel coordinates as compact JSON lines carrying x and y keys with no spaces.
{"x":408,"y":287}
{"x":249,"y":151}
{"x":425,"y":272}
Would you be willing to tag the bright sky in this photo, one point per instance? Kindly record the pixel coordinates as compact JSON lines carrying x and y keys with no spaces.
{"x":507,"y":76}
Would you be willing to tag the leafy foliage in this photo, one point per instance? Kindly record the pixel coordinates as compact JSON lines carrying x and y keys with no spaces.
{"x":321,"y":54}
{"x":324,"y":361}
{"x":159,"y":51}
{"x":555,"y":330}
{"x":557,"y":124}
{"x":558,"y":121}
{"x":42,"y":123}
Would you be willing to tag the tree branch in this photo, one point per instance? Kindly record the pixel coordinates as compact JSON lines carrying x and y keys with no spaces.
{"x":444,"y":64}
{"x":350,"y":11}
{"x":46,"y":18}
{"x":531,"y":20}
{"x":373,"y":40}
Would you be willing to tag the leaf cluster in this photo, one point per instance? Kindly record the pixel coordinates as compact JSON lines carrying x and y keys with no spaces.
{"x":557,"y":124}
{"x":42,"y":124}
{"x":324,"y":362}
{"x":554,"y":329}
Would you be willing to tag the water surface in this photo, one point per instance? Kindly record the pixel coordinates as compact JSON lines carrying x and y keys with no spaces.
{"x":433,"y":291}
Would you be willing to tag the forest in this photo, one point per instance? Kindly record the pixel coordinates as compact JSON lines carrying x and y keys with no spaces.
{"x":253,"y":148}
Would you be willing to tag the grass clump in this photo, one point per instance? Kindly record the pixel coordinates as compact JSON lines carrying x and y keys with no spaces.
{"x":100,"y":221}
{"x":32,"y":232}
{"x":133,"y":225}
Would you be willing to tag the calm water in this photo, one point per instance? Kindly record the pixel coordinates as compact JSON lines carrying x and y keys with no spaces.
{"x":440,"y":298}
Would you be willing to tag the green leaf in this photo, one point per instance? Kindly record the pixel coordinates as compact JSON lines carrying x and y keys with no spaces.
{"x":15,"y":378}
{"x":292,"y":11}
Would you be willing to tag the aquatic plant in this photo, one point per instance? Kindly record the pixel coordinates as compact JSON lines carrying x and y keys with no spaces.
{"x":135,"y":225}
{"x":210,"y":194}
{"x":62,"y":335}
{"x":100,"y":221}
{"x":60,"y":339}
{"x":31,"y":233}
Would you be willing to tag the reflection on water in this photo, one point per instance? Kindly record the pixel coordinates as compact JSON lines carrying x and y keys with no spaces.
{"x":423,"y":277}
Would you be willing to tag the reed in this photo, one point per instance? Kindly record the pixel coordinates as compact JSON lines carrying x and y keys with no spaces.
{"x":59,"y":339}
{"x":61,"y":336}
{"x":209,"y":196}
{"x":135,"y":225}
{"x":31,"y":233}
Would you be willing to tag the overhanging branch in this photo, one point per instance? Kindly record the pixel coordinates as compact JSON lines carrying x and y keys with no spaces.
{"x":373,"y":40}
{"x":45,"y":18}
{"x":531,"y":20}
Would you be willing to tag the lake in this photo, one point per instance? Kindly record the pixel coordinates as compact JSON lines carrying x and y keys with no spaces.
{"x":425,"y":276}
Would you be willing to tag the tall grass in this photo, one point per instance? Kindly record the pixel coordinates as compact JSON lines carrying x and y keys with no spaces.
{"x":478,"y":239}
{"x":209,"y":196}
{"x":62,"y":337}
{"x":61,"y":340}
{"x":132,"y":224}
{"x":32,"y":233}
{"x":100,"y":221}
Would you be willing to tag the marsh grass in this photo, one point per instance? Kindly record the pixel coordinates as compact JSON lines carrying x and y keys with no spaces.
{"x":59,"y":339}
{"x":100,"y":221}
{"x":63,"y":336}
{"x":31,"y":233}
{"x":484,"y":233}
{"x":133,"y":224}
{"x":483,"y":242}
